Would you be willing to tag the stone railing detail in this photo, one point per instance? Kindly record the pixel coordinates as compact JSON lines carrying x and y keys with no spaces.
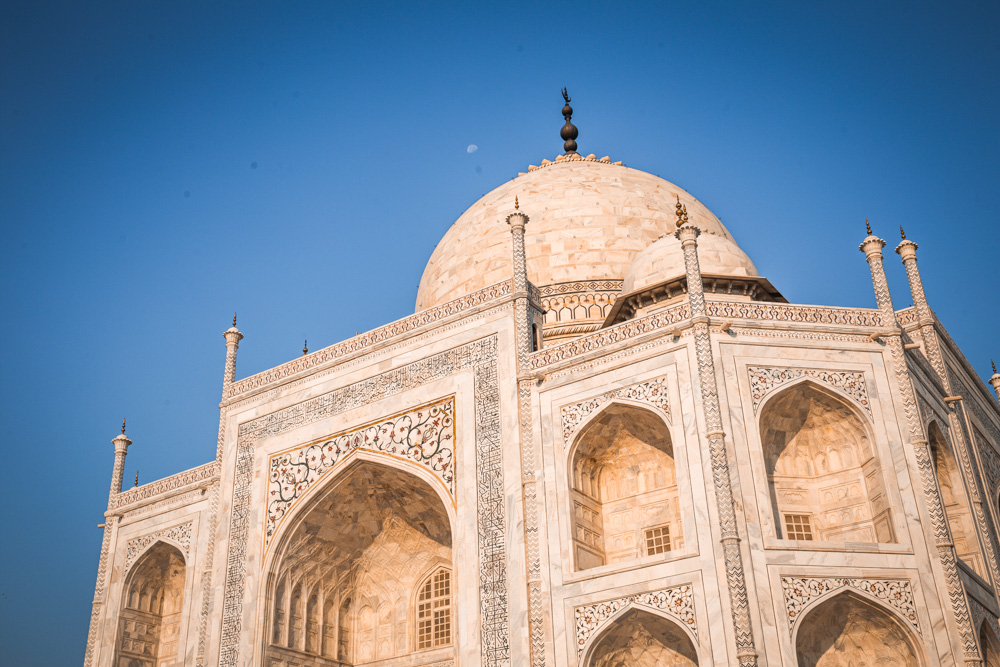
{"x":784,"y":312}
{"x":167,"y":484}
{"x":368,"y":339}
{"x":907,"y":316}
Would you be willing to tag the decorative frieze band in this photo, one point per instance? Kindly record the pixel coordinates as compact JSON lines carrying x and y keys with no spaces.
{"x":764,"y":380}
{"x":800,"y":591}
{"x":652,"y":392}
{"x":179,"y":535}
{"x":368,"y":339}
{"x":423,"y":435}
{"x":677,"y":602}
{"x":161,"y":486}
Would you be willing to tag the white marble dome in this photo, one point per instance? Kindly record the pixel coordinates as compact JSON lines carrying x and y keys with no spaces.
{"x":664,"y":259}
{"x":589,"y":219}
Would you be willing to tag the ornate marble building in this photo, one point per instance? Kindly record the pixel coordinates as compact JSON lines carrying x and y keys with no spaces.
{"x":602,"y":440}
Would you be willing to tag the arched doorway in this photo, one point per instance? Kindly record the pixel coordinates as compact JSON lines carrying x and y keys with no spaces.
{"x":641,"y":639}
{"x":364,"y":575}
{"x":848,"y":629}
{"x":150,"y":621}
{"x":624,"y":488}
{"x":825,"y":481}
{"x":956,"y":503}
{"x":989,"y":644}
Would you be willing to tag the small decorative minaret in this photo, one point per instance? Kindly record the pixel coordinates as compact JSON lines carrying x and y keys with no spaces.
{"x":687,"y":234}
{"x":233,"y":338}
{"x":872,"y":247}
{"x":995,"y":380}
{"x":517,"y":221}
{"x":569,"y":133}
{"x":121,"y":444}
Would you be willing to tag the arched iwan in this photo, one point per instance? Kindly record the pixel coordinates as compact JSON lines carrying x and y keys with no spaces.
{"x":640,"y":638}
{"x":149,"y":624}
{"x":956,"y":501}
{"x":848,"y":628}
{"x":368,"y":562}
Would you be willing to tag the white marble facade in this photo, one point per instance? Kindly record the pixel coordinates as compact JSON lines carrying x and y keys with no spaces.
{"x":528,"y":472}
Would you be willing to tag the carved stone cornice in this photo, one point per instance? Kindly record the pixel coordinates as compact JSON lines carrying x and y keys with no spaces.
{"x":141,"y":495}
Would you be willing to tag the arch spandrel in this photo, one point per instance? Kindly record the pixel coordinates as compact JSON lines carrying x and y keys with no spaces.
{"x":641,"y":637}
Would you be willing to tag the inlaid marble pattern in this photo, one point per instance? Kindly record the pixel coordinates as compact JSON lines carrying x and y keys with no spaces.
{"x":800,"y":591}
{"x":677,"y":601}
{"x":652,"y":392}
{"x":764,"y":380}
{"x":179,"y":535}
{"x":423,"y":435}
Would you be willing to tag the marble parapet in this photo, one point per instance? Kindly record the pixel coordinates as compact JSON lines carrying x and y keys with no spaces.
{"x":140,"y":495}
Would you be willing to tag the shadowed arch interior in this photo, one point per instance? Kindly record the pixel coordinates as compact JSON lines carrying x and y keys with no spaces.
{"x":824,"y":478}
{"x":956,"y":503}
{"x":624,"y":488}
{"x":989,"y":643}
{"x":150,"y":621}
{"x":848,"y":629}
{"x":641,"y":639}
{"x":348,"y":576}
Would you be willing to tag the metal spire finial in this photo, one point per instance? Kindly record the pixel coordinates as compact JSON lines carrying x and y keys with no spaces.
{"x":123,"y":426}
{"x":902,"y":233}
{"x":569,"y":133}
{"x":516,"y":204}
{"x":305,"y":347}
{"x":682,"y":213}
{"x":234,"y":319}
{"x":136,"y":477}
{"x":994,"y":366}
{"x":868,"y":227}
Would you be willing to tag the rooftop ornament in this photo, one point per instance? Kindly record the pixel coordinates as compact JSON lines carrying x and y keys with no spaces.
{"x":569,"y":133}
{"x":868,"y":227}
{"x":305,"y":347}
{"x":682,"y":213}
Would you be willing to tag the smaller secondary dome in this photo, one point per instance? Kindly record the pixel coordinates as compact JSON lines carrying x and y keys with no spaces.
{"x":664,"y":259}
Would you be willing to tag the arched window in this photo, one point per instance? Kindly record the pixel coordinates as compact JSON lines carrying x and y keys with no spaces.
{"x":956,"y":504}
{"x":825,"y":481}
{"x":641,"y":639}
{"x":624,"y":489}
{"x":150,"y":621}
{"x":434,"y":610}
{"x":850,"y":630}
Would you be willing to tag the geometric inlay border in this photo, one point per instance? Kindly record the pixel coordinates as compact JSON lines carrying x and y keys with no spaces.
{"x":800,"y":591}
{"x":677,"y":601}
{"x":423,"y":435}
{"x":765,"y":379}
{"x":181,"y":534}
{"x":653,"y":392}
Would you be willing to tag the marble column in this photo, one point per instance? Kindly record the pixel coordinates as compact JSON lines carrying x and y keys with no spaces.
{"x":872,"y":248}
{"x":746,"y":652}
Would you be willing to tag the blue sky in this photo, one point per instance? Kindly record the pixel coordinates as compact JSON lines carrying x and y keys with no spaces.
{"x":165,"y":164}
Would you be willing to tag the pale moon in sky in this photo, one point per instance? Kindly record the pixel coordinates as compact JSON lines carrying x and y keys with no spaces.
{"x":472,"y":148}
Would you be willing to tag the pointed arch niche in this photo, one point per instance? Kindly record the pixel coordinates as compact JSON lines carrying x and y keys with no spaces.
{"x":989,"y":644}
{"x":624,"y":488}
{"x":150,"y":620}
{"x":363,"y":575}
{"x":639,"y":638}
{"x":849,"y":629}
{"x":824,"y":478}
{"x":956,"y":503}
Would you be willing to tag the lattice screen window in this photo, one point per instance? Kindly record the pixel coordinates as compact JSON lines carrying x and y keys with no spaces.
{"x":797,"y":527}
{"x":434,"y":611}
{"x":657,"y":540}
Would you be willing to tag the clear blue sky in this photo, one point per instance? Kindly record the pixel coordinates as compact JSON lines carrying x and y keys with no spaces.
{"x":163,"y":164}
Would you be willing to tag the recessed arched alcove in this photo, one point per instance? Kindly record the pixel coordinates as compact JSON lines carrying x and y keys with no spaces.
{"x":364,"y":574}
{"x":824,"y":477}
{"x":623,"y":485}
{"x":849,"y":629}
{"x":956,"y":503}
{"x":149,"y":624}
{"x":639,"y":638}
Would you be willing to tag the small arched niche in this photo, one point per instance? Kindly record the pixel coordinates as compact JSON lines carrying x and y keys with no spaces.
{"x":956,"y":503}
{"x":641,"y":639}
{"x":364,"y":574}
{"x":825,"y":481}
{"x":624,"y":488}
{"x":848,"y":629}
{"x":150,"y":620}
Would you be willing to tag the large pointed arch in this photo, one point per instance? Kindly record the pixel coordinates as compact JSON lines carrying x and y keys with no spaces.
{"x":989,"y":642}
{"x":358,"y":547}
{"x":149,"y":623}
{"x":623,"y":481}
{"x":825,"y":480}
{"x":848,"y":627}
{"x":641,"y":637}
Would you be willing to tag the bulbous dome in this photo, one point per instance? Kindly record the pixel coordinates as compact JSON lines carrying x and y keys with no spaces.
{"x":664,"y":259}
{"x":589,"y":219}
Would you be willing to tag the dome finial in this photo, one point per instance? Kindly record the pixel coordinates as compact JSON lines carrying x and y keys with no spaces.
{"x":516,"y":204}
{"x":305,"y":347}
{"x":902,"y":233}
{"x":234,"y":319}
{"x":994,"y":367}
{"x":682,"y":213}
{"x":123,"y":426}
{"x":136,"y":477}
{"x":868,"y":227}
{"x":569,"y":133}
